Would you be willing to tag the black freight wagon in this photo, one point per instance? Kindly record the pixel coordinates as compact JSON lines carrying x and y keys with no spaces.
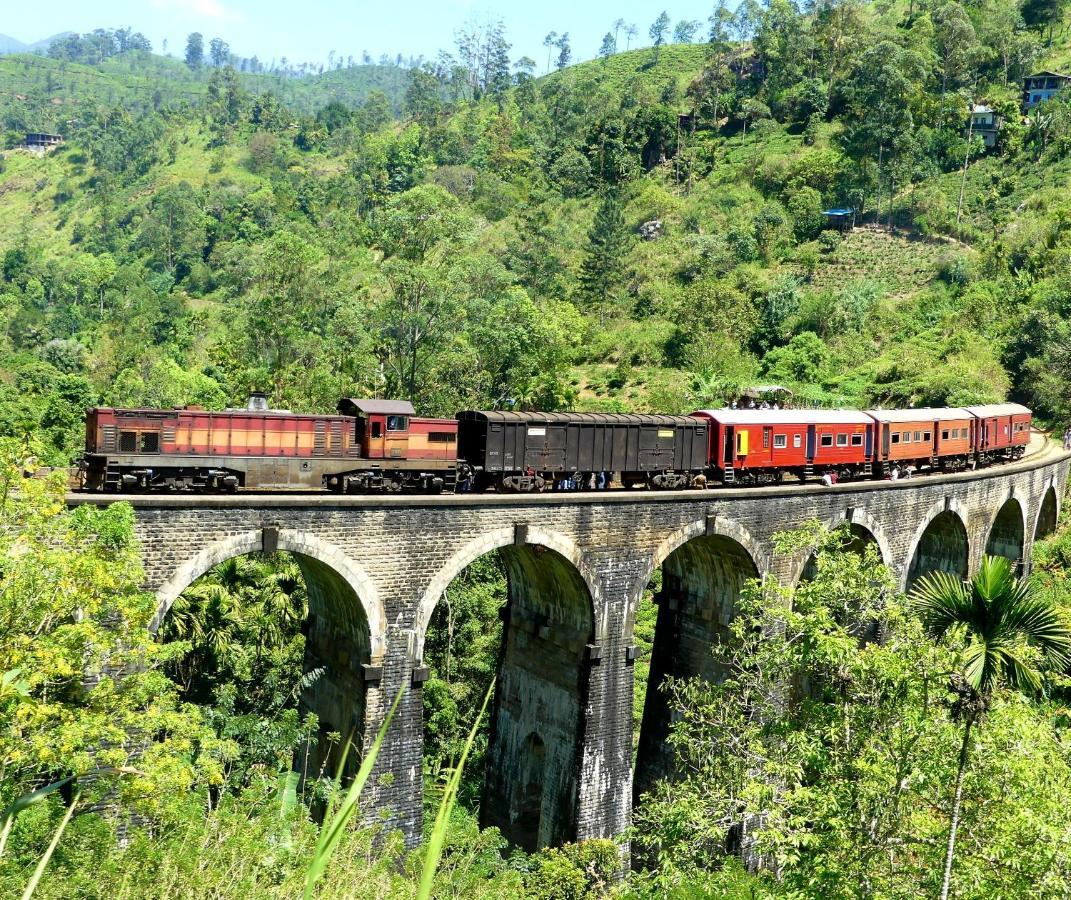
{"x":526,"y":451}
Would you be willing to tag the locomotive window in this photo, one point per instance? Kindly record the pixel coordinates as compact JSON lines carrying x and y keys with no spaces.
{"x":842,"y":440}
{"x":780,"y":441}
{"x":441,"y":437}
{"x":827,"y":440}
{"x":857,"y":440}
{"x":150,"y":442}
{"x":128,"y":441}
{"x":377,"y":429}
{"x":397,"y":423}
{"x":796,"y":440}
{"x":896,"y":437}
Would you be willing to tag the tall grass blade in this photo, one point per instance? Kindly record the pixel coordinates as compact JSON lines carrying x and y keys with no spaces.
{"x":43,"y":861}
{"x":331,"y":833}
{"x":446,"y":808}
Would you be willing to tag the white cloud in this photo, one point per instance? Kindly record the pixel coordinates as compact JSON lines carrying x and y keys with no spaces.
{"x":209,"y":9}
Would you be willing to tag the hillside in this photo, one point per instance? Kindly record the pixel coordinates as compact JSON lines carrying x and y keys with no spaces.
{"x":39,"y":93}
{"x":642,"y":233}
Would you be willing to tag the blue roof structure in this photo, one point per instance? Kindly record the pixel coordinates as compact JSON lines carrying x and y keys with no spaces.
{"x":838,"y":212}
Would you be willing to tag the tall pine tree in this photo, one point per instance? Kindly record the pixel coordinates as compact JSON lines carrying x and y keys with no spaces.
{"x":601,"y":271}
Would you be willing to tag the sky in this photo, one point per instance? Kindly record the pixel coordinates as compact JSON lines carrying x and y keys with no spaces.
{"x":306,"y":30}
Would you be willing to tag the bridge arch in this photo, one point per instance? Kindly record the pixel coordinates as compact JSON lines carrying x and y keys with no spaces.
{"x":1048,"y":513}
{"x":941,"y":543}
{"x":1006,"y":535}
{"x":306,"y":547}
{"x":536,"y":745}
{"x":495,"y":540}
{"x":865,"y":529}
{"x":704,"y":567}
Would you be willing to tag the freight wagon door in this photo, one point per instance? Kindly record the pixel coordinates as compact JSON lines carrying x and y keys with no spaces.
{"x":656,"y":448}
{"x":544,"y":449}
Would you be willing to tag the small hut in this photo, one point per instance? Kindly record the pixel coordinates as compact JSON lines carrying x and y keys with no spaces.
{"x":840,"y":217}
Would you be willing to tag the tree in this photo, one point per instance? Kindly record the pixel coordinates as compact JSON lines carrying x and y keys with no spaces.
{"x":601,"y":271}
{"x":218,"y":51}
{"x":81,"y":683}
{"x":608,"y":47}
{"x":174,"y":228}
{"x":565,"y":53}
{"x":685,"y":30}
{"x":658,"y":31}
{"x":631,"y":32}
{"x":195,"y":50}
{"x":423,"y":96}
{"x":1003,"y":627}
{"x":1042,"y":14}
{"x":618,"y":25}
{"x":550,"y":41}
{"x":955,"y":40}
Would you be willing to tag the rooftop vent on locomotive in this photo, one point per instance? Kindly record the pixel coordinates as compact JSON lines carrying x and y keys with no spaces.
{"x":371,"y":445}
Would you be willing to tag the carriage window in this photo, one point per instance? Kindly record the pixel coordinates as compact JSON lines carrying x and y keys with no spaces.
{"x":896,"y":437}
{"x":927,"y":437}
{"x":796,"y":440}
{"x":827,"y":440}
{"x":397,"y":423}
{"x":780,"y":441}
{"x":128,"y":441}
{"x":150,"y":442}
{"x":842,"y":440}
{"x":441,"y":437}
{"x":765,"y":438}
{"x":918,"y":435}
{"x":944,"y":435}
{"x":857,"y":440}
{"x":377,"y":429}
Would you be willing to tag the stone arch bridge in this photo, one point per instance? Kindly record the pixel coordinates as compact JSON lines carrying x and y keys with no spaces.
{"x":561,"y":763}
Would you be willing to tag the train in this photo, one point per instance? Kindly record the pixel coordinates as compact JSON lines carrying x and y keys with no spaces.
{"x":373,"y":445}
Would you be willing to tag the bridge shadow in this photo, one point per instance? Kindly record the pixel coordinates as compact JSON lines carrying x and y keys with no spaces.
{"x":1007,"y":533}
{"x":942,"y":546}
{"x":1048,"y":514}
{"x":696,"y":599}
{"x":541,"y":619}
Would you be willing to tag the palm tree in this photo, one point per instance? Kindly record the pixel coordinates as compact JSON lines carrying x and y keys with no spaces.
{"x":994,"y":618}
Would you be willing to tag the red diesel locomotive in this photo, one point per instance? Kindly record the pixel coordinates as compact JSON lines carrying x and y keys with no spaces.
{"x":381,"y":445}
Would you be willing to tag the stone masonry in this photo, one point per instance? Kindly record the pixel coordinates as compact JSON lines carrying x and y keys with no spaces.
{"x":560,"y":760}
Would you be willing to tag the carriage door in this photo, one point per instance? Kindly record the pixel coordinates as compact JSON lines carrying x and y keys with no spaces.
{"x":885,"y":429}
{"x":812,"y":443}
{"x":730,"y":443}
{"x":396,"y":438}
{"x":767,"y":444}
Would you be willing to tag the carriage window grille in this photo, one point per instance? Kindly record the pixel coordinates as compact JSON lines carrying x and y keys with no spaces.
{"x":918,"y":435}
{"x":150,"y":442}
{"x":128,"y":441}
{"x":765,"y":438}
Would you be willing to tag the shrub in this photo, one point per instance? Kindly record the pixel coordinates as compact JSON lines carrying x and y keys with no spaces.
{"x":574,"y":871}
{"x":829,"y":241}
